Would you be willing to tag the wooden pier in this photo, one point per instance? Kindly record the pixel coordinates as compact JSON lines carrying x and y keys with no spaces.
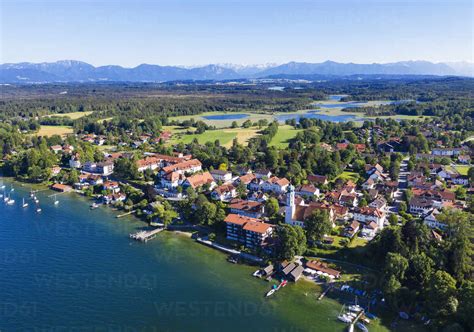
{"x":144,"y":236}
{"x":125,"y":214}
{"x":323,"y":294}
{"x":351,"y":326}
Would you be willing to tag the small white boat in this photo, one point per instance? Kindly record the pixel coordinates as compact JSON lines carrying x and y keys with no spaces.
{"x":11,"y":202}
{"x":6,"y":199}
{"x":38,"y":210}
{"x":271,"y":291}
{"x":24,"y":204}
{"x":355,"y":308}
{"x":37,"y":201}
{"x":257,"y":274}
{"x":12,"y":189}
{"x":1,"y":195}
{"x":2,"y":187}
{"x":56,"y":202}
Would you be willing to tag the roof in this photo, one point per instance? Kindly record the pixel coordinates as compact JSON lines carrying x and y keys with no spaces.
{"x":257,"y":227}
{"x":307,"y":188}
{"x":317,"y":178}
{"x":220,"y":172}
{"x":182,"y":166}
{"x":56,"y":147}
{"x":369,"y":211}
{"x":297,"y":271}
{"x":244,"y":205}
{"x":323,"y":267}
{"x":237,"y":219}
{"x":198,"y":180}
{"x":61,"y":187}
{"x":371,"y":225}
{"x":289,"y":268}
{"x":224,"y":188}
{"x":247,"y":178}
{"x":279,"y":181}
{"x":421,"y":202}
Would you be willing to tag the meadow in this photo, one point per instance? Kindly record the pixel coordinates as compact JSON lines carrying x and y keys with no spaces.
{"x":54,"y":130}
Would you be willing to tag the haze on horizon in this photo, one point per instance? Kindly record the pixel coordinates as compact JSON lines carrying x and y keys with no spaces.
{"x":192,"y":33}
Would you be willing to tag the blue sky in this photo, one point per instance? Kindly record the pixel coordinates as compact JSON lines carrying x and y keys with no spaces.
{"x":249,"y":32}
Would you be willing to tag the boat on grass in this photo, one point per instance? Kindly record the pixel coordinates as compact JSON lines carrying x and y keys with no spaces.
{"x":257,"y":274}
{"x":271,"y":292}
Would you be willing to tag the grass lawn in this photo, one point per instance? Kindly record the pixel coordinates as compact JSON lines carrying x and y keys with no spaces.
{"x":284,"y":134}
{"x":462,"y":169}
{"x":72,"y":115}
{"x":348,"y":176}
{"x":54,"y":130}
{"x":225,"y":136}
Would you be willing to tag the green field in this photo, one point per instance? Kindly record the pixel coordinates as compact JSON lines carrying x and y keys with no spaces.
{"x":72,"y":115}
{"x":462,"y":169}
{"x":346,"y":176}
{"x":54,"y":130}
{"x":225,"y":136}
{"x":284,"y":134}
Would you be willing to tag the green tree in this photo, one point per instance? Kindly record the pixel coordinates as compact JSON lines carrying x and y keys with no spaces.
{"x":291,"y":242}
{"x":441,"y":294}
{"x":271,"y":207}
{"x":317,"y":225}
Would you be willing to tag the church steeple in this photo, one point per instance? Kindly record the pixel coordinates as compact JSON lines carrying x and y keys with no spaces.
{"x":290,"y":204}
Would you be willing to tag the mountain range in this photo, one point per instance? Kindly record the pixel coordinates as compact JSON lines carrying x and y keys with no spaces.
{"x":78,"y":71}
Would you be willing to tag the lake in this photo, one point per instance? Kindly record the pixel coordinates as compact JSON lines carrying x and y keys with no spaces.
{"x":72,"y":269}
{"x":316,"y":115}
{"x":225,"y":116}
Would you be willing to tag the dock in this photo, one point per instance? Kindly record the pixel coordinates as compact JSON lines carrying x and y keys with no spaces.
{"x":125,"y":214}
{"x":351,"y":326}
{"x":144,"y":236}
{"x":323,"y":294}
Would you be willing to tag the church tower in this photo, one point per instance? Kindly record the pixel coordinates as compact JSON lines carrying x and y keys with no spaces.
{"x":290,"y":205}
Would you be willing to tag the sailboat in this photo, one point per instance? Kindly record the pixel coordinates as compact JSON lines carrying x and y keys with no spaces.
{"x":24,"y":203}
{"x":56,"y":202}
{"x":10,"y":201}
{"x":2,"y":187}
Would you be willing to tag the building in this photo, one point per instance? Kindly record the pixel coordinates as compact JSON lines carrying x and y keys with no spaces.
{"x":446,"y":152}
{"x":61,"y":187}
{"x":111,"y":186}
{"x":323,"y":268}
{"x":318,"y":179}
{"x":198,"y":180}
{"x":295,"y":214}
{"x":224,"y":193}
{"x":56,"y":148}
{"x":246,"y":208}
{"x":275,"y":185}
{"x":74,"y":162}
{"x":251,"y":232}
{"x":307,"y":190}
{"x":420,"y":206}
{"x":369,"y":230}
{"x":368,"y":214}
{"x":351,"y":229}
{"x":220,"y":175}
{"x":188,"y":166}
{"x":103,"y":168}
{"x":263,"y":174}
{"x":172,"y":180}
{"x":431,"y":221}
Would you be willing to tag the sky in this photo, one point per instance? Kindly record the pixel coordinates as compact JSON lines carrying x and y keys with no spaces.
{"x":174,"y":32}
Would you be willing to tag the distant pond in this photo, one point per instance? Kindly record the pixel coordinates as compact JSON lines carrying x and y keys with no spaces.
{"x":317,"y":115}
{"x":226,"y":117}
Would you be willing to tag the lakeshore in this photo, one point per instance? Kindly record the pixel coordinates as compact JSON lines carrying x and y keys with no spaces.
{"x":69,"y":251}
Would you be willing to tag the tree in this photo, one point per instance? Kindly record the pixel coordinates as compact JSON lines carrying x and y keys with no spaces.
{"x":395,"y":265}
{"x":420,"y":270}
{"x":206,"y":214}
{"x":393,"y":219}
{"x":466,"y":304}
{"x":317,"y":225}
{"x":271,"y":207}
{"x":441,"y":294}
{"x":291,"y":242}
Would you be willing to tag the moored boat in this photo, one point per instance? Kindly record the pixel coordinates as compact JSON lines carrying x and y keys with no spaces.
{"x":344,"y":318}
{"x":271,"y":291}
{"x":362,"y":327}
{"x":355,"y":308}
{"x":24,"y":203}
{"x":11,"y":201}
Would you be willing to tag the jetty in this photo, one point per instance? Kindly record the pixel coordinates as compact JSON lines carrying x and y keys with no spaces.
{"x":323,"y":294}
{"x":125,"y":214}
{"x":144,"y":236}
{"x":230,"y":251}
{"x":351,"y":326}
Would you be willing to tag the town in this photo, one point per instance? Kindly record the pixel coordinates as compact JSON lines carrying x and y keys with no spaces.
{"x":334,"y":194}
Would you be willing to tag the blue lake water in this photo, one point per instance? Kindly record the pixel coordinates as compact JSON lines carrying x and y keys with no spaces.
{"x":226,"y":117}
{"x":317,"y":115}
{"x":336,"y":97}
{"x":276,"y":88}
{"x":72,"y":269}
